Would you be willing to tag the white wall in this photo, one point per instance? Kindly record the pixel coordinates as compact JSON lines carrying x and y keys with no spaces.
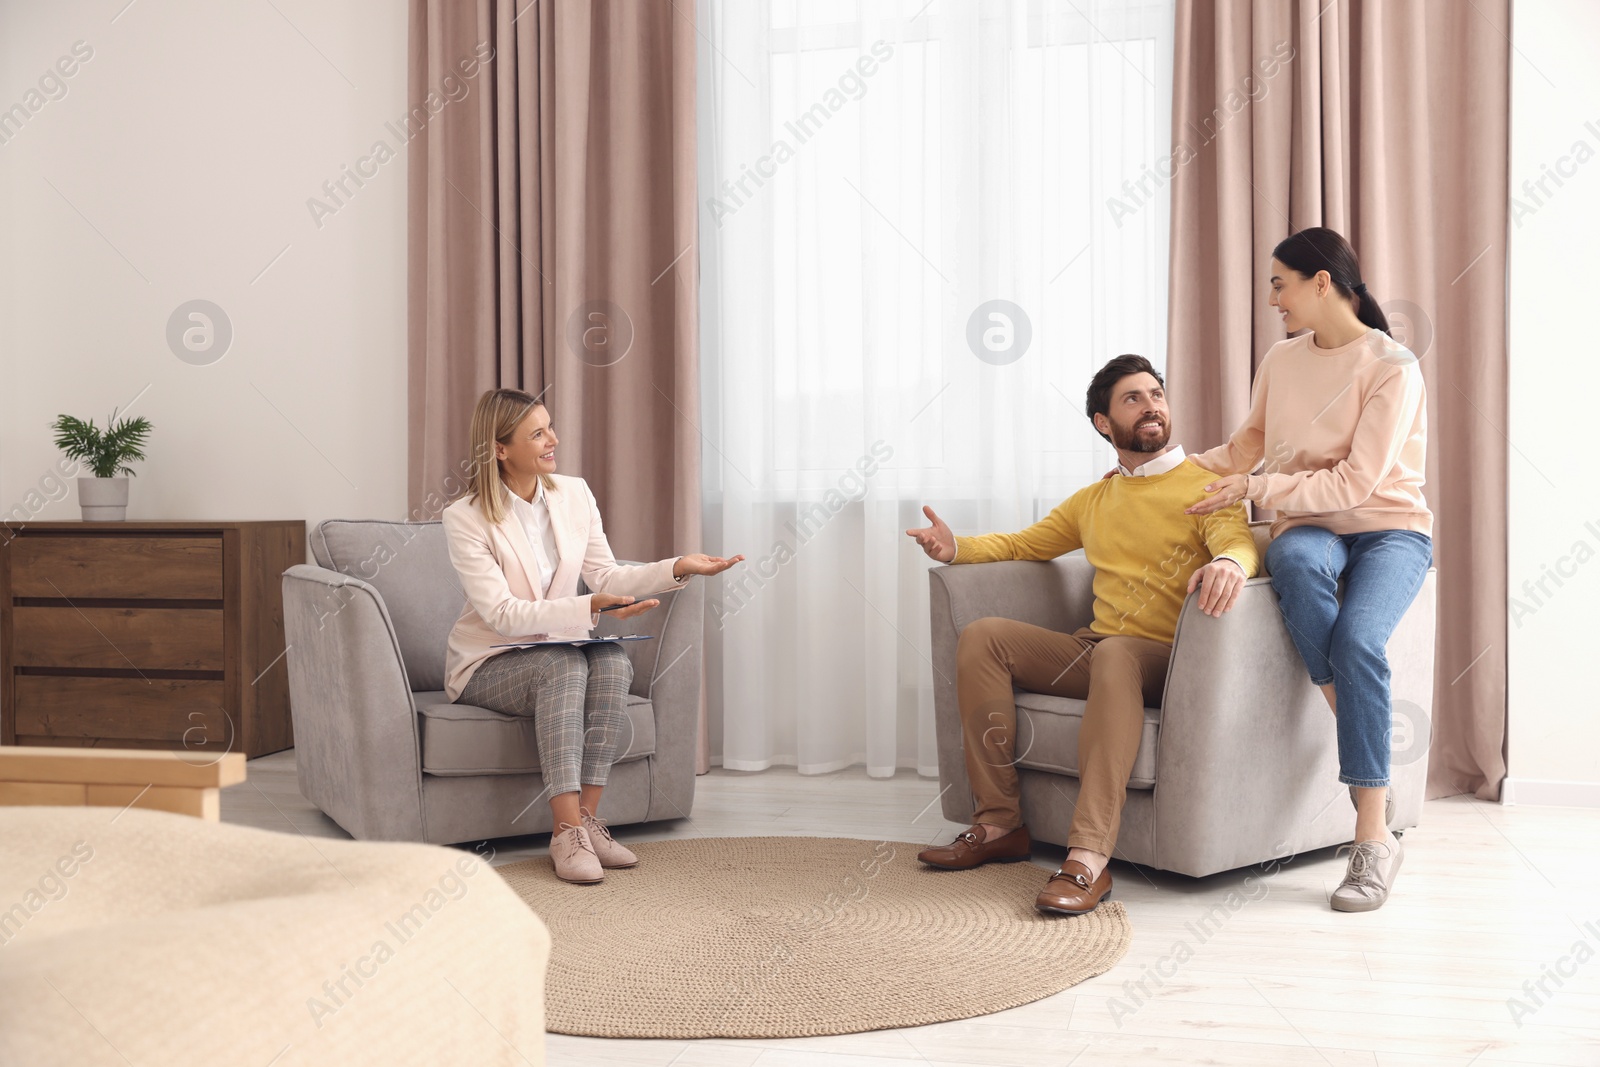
{"x":1554,"y":742}
{"x":182,"y":156}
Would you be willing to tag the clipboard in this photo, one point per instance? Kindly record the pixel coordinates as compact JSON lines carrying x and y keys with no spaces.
{"x":576,"y":642}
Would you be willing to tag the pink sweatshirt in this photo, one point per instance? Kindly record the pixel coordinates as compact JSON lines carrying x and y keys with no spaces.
{"x":1344,"y":434}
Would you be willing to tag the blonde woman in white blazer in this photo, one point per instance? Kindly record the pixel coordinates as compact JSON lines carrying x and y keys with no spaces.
{"x":519,"y":540}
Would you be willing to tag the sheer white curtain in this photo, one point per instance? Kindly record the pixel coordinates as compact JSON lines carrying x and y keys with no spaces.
{"x":873,"y":173}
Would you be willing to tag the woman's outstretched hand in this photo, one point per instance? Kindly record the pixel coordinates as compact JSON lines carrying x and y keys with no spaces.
{"x":694,"y":563}
{"x":630,"y":608}
{"x":700,"y":563}
{"x":1225,"y":492}
{"x":936,"y":540}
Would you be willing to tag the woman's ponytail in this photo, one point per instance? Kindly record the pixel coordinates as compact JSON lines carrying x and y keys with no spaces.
{"x":1368,"y":310}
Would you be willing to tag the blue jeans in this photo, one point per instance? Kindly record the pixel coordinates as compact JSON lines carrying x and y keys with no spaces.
{"x":1345,"y":643}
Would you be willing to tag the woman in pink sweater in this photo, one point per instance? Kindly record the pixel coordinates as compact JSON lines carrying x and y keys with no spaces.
{"x":1336,"y":439}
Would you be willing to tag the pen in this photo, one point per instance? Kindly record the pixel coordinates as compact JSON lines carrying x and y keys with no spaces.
{"x":614,"y":607}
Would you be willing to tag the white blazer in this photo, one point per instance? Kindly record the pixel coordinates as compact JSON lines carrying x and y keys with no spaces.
{"x":500,"y":576}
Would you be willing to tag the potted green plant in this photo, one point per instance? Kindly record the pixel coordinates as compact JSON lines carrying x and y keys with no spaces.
{"x":104,"y":497}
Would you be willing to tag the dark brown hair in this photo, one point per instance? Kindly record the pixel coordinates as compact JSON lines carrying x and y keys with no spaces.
{"x":1319,"y":248}
{"x":1098,"y":401}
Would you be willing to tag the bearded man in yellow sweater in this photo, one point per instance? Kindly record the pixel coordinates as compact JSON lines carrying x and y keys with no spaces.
{"x":1148,"y":556}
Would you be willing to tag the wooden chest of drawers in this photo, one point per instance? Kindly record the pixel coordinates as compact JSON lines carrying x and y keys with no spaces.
{"x":146,"y":634}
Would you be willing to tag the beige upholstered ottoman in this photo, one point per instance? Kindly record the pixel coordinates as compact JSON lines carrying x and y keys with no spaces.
{"x":152,"y":938}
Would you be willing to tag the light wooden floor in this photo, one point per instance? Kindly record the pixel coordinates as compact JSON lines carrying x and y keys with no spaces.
{"x":1489,"y":898}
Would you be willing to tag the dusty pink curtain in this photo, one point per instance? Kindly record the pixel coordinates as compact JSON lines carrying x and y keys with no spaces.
{"x":553,"y":247}
{"x":1388,"y":122}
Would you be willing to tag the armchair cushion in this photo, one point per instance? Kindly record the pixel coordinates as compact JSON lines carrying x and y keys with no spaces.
{"x":408,"y":564}
{"x":461,"y":739}
{"x":1047,"y":737}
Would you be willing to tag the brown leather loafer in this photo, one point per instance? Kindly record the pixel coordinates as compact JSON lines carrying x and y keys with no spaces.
{"x":1071,"y":892}
{"x":970,"y":850}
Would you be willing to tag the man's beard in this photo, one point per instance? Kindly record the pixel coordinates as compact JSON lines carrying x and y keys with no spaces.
{"x":1132,"y":440}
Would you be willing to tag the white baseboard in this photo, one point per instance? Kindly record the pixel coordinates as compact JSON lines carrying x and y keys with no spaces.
{"x":1550,"y":792}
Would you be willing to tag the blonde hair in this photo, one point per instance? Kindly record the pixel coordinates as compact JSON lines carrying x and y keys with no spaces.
{"x":495,"y":418}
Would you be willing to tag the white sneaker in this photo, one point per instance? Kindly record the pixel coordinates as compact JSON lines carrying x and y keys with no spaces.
{"x":1373,"y":865}
{"x":574,"y":856}
{"x":610,"y":854}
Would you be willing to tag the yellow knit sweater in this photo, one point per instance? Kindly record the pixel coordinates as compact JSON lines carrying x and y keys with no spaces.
{"x":1142,"y":546}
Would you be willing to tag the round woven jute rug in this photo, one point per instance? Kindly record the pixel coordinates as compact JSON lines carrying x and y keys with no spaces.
{"x":801,"y":936}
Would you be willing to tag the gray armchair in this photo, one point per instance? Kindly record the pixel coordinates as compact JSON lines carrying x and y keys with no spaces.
{"x":387,"y":757}
{"x":1238,"y":765}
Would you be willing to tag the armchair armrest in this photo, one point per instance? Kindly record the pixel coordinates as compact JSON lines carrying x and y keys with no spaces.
{"x":668,"y":672}
{"x":1242,"y":734}
{"x":358,"y":750}
{"x":1058,"y":595}
{"x":1246,"y":747}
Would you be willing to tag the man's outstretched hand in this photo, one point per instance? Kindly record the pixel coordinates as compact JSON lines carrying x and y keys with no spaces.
{"x":936,"y":540}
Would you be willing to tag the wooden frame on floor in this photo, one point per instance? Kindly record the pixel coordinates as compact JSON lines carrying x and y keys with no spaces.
{"x":182,"y":782}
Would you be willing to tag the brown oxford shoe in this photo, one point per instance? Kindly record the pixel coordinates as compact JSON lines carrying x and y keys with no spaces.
{"x":970,"y":850}
{"x":1071,"y":891}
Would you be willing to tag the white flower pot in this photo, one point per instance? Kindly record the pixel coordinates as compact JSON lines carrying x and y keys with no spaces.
{"x":103,"y":499}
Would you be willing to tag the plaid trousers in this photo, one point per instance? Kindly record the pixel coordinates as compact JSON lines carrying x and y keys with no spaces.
{"x":577,"y":697}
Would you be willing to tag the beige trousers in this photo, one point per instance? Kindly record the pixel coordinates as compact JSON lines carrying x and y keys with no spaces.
{"x":1116,"y":676}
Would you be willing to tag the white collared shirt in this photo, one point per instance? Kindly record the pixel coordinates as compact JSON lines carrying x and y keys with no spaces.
{"x":535,"y":519}
{"x":1160,"y":465}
